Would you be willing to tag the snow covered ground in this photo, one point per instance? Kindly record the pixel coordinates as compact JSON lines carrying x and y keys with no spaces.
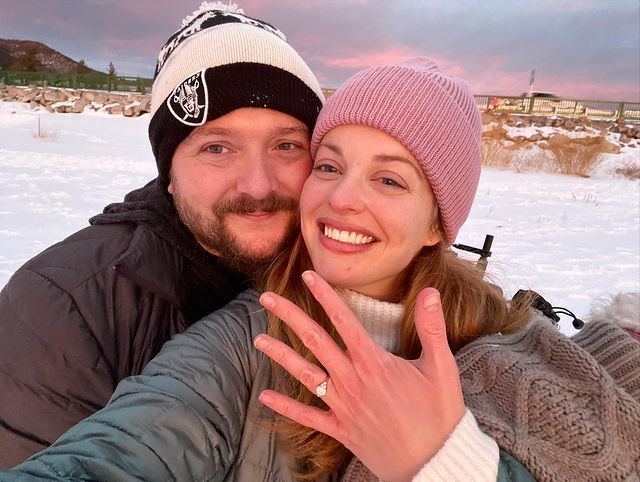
{"x":571,"y":239}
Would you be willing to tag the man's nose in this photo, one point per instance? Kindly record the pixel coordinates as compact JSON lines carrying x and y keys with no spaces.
{"x":258,"y":178}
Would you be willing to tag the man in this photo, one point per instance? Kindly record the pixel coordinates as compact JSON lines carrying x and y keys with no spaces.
{"x":232,"y":109}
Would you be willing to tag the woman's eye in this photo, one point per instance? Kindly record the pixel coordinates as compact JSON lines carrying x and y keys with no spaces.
{"x":387,"y":181}
{"x":217,"y":149}
{"x":325,"y":168}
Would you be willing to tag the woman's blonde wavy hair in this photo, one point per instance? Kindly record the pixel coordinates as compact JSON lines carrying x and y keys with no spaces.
{"x":472,"y":308}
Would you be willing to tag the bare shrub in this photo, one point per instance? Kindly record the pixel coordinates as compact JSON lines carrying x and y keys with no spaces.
{"x":631,"y":171}
{"x":577,"y":156}
{"x":498,"y":152}
{"x":503,"y":153}
{"x":45,"y":135}
{"x":495,"y":154}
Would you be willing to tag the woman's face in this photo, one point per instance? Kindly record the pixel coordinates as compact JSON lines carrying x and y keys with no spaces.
{"x":366,"y":210}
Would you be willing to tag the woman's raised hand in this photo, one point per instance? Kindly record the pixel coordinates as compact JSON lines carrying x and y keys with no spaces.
{"x":391,"y":413}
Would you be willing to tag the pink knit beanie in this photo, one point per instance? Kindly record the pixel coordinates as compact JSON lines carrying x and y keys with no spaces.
{"x":432,"y":114}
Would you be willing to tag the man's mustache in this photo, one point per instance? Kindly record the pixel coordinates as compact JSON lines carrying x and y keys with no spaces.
{"x":246,"y":204}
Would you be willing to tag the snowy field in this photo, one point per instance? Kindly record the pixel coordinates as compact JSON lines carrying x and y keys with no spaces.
{"x":571,"y":239}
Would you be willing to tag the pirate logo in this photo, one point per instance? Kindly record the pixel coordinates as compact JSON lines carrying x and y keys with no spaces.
{"x":189,"y":102}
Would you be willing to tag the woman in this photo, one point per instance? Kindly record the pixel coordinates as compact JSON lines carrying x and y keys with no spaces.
{"x":396,"y":166}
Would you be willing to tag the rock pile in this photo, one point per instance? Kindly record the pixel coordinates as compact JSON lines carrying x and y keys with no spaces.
{"x":496,"y":123}
{"x":76,"y":101}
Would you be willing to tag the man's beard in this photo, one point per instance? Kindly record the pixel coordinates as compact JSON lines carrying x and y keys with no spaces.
{"x":213,"y":234}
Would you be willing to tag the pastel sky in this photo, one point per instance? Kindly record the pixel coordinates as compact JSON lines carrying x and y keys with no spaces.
{"x":587,"y":49}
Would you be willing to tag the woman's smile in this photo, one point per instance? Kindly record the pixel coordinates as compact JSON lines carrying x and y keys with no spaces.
{"x":365,"y":210}
{"x":340,"y":237}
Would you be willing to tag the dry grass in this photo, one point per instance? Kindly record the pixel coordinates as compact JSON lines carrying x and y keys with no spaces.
{"x":517,"y":156}
{"x":45,"y":135}
{"x":560,"y":153}
{"x":500,"y":153}
{"x":632,"y":171}
{"x":577,"y":156}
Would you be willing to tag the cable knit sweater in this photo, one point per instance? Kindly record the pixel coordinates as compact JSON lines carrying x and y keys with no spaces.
{"x":567,"y":408}
{"x":468,"y":454}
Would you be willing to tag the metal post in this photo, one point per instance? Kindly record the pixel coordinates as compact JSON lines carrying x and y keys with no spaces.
{"x":486,"y":252}
{"x":531,"y":102}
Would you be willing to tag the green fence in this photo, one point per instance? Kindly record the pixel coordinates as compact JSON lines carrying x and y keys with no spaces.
{"x":546,"y":106}
{"x":77,"y":81}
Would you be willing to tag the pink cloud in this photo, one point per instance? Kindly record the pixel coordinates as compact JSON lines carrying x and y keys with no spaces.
{"x":345,"y":66}
{"x":496,"y":79}
{"x":365,"y":59}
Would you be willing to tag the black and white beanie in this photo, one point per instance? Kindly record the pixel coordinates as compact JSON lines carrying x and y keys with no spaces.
{"x":218,"y":61}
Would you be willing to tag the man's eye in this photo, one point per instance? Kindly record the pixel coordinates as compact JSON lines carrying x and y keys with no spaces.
{"x":217,"y":149}
{"x":286,"y":146}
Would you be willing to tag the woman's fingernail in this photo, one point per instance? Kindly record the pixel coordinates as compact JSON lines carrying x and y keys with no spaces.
{"x":267,"y":301}
{"x":432,"y":301}
{"x":261,"y":343}
{"x":265,"y":398}
{"x":307,"y":278}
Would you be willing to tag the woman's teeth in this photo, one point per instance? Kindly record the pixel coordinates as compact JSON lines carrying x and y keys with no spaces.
{"x":347,"y":236}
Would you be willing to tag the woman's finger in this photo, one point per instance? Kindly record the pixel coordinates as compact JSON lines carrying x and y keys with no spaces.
{"x":311,"y":417}
{"x":432,"y":330}
{"x":358,"y":342}
{"x":309,"y":374}
{"x":314,"y":337}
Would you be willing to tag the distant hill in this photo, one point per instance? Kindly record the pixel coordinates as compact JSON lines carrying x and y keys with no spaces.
{"x":35,"y":56}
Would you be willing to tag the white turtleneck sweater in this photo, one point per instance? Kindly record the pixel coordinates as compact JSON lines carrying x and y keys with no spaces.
{"x":468,"y":454}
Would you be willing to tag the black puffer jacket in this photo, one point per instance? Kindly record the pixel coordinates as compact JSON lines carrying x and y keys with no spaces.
{"x":94,"y":309}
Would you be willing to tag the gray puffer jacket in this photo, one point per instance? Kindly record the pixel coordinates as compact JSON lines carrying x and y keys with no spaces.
{"x":193,"y":414}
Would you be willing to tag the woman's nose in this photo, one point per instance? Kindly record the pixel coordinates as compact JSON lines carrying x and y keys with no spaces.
{"x":347,"y":196}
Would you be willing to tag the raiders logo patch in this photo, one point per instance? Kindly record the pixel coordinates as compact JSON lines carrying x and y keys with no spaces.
{"x":189,"y":102}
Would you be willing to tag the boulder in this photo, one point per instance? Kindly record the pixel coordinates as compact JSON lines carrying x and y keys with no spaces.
{"x":145,"y":104}
{"x":33,"y":105}
{"x":101,"y":98}
{"x":487,"y":118}
{"x":115,"y":98}
{"x":114,"y":109}
{"x":133,"y":110}
{"x":54,"y":96}
{"x":79,"y":105}
{"x":12,"y":93}
{"x":61,"y":108}
{"x":89,"y":95}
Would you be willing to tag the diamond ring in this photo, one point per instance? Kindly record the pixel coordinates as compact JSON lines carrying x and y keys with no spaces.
{"x":321,"y":390}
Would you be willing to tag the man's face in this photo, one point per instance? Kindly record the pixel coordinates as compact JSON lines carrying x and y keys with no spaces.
{"x":236,"y":181}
